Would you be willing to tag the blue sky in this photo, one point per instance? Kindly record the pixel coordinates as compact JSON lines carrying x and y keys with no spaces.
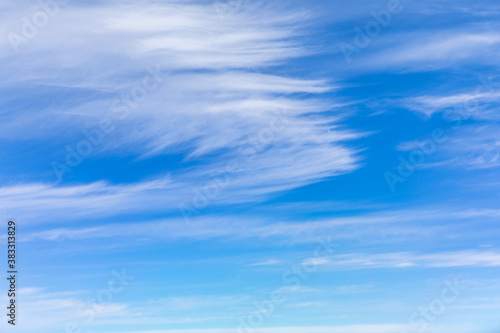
{"x":247,"y":166}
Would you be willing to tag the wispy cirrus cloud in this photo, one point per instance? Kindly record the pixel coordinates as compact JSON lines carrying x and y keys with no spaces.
{"x":475,"y":105}
{"x":391,"y":226}
{"x":243,"y":90}
{"x":219,"y":94}
{"x":474,"y":258}
{"x":470,"y":147}
{"x":473,"y":148}
{"x":430,"y":50}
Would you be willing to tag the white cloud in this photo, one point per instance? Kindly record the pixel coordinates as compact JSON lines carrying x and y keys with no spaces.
{"x":432,"y":50}
{"x":370,"y":328}
{"x":219,"y":100}
{"x":269,"y":262}
{"x":474,"y":147}
{"x":476,"y":105}
{"x":470,"y":258}
{"x":390,"y":226}
{"x":469,"y":147}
